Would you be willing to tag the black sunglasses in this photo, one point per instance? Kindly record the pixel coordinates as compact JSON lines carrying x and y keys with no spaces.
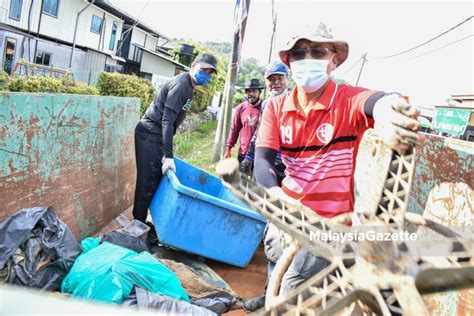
{"x":319,"y":52}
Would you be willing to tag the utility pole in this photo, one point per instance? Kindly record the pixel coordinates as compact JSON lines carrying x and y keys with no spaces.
{"x":361,"y":67}
{"x":225,"y":117}
{"x":274,"y":16}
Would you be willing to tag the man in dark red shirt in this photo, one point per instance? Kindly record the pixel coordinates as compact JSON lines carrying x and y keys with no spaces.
{"x":245,"y":121}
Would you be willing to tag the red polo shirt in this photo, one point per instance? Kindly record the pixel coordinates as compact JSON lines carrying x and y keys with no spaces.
{"x":319,"y":149}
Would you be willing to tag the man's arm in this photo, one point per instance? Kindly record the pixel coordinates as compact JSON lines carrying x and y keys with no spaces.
{"x":174,"y":102}
{"x":265,"y":172}
{"x":169,"y":117}
{"x":235,"y":129}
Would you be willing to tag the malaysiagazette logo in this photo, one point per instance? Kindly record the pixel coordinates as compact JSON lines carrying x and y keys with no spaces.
{"x":325,"y":132}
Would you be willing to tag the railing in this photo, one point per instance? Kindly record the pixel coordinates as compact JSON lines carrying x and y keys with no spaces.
{"x":24,"y":68}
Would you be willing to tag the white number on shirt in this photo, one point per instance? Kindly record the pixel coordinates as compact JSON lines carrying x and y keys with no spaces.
{"x":286,"y":134}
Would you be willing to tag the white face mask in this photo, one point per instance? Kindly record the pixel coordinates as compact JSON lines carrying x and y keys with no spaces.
{"x":309,"y":74}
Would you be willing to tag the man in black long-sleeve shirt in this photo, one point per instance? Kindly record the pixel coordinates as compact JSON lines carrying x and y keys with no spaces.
{"x":155,"y":130}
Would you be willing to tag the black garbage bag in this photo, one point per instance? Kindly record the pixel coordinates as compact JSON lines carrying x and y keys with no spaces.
{"x":165,"y":305}
{"x":36,"y":249}
{"x":134,"y":243}
{"x":219,"y":303}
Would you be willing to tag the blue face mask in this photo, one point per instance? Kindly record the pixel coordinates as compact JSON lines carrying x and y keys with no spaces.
{"x":201,"y":77}
{"x":309,"y":74}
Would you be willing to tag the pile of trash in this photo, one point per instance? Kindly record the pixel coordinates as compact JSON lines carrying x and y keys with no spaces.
{"x":38,"y":250}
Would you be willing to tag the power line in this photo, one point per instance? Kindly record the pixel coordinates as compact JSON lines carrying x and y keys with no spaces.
{"x":449,"y":44}
{"x":423,"y":54}
{"x":426,"y":42}
{"x":126,"y":33}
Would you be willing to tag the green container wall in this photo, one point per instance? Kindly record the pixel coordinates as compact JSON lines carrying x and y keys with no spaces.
{"x":72,"y":152}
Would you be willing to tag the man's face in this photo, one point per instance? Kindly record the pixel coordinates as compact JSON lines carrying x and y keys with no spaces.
{"x":253,"y":95}
{"x":277,"y":83}
{"x":305,"y":49}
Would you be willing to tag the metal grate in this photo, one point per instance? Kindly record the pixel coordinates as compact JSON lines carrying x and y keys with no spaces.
{"x":383,"y":278}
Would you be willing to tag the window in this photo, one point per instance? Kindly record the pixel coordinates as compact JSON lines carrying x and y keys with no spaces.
{"x":112,"y":36}
{"x":51,"y":7}
{"x":96,"y":25}
{"x":9,"y":54}
{"x":15,"y":9}
{"x":42,"y":58}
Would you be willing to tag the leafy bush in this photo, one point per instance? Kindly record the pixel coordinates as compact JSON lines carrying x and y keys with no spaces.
{"x":74,"y":87}
{"x":201,"y":99}
{"x":47,"y":84}
{"x":121,"y":85}
{"x":3,"y":79}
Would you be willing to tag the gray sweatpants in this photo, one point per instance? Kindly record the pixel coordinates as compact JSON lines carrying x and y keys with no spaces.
{"x":304,"y":265}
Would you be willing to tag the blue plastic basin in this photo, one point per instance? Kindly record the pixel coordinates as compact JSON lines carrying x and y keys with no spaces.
{"x":194,"y":212}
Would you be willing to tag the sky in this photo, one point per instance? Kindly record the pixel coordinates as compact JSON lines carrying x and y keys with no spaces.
{"x":378,"y":28}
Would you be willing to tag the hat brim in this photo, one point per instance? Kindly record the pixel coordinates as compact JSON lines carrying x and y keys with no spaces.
{"x":207,"y":65}
{"x":276,"y":73}
{"x":342,"y":48}
{"x":247,"y":88}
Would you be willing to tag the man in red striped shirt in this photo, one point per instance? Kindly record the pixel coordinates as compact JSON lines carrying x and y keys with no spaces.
{"x":319,"y":126}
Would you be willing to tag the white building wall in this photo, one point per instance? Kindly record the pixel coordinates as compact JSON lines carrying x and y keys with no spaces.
{"x":23,"y":23}
{"x":155,"y":65}
{"x":62,"y":27}
{"x":151,"y":42}
{"x":137,"y":37}
{"x":87,"y":38}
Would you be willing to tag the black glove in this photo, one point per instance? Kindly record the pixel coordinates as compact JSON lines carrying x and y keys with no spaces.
{"x":246,"y":167}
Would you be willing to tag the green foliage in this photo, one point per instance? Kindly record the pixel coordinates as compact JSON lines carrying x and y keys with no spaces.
{"x":239,"y":97}
{"x":3,"y":79}
{"x":74,"y":87}
{"x":48,"y":85}
{"x":43,"y":84}
{"x":223,"y":49}
{"x":121,"y":85}
{"x":250,"y":69}
{"x":200,"y":99}
{"x":15,"y":84}
{"x":196,"y":147}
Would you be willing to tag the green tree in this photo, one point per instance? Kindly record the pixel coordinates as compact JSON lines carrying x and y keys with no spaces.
{"x":250,"y":68}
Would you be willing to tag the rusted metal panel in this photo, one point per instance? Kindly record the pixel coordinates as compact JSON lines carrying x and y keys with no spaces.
{"x":440,"y":160}
{"x":72,"y":152}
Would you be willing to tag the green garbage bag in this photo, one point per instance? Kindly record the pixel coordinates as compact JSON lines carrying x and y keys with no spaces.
{"x":108,"y":273}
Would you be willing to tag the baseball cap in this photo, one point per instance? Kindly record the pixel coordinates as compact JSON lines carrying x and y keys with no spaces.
{"x":276,"y":68}
{"x":206,"y":60}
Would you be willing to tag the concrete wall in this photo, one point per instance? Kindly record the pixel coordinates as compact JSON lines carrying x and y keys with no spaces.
{"x":72,"y":152}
